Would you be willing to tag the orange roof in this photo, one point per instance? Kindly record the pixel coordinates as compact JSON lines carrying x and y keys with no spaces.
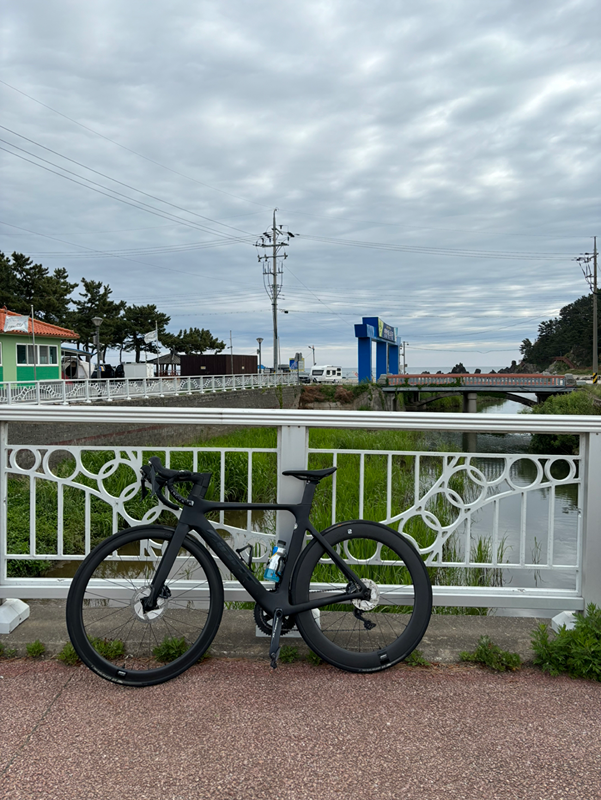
{"x":41,"y":328}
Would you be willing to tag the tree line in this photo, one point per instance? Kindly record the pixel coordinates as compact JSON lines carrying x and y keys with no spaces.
{"x":24,"y":284}
{"x":569,"y":335}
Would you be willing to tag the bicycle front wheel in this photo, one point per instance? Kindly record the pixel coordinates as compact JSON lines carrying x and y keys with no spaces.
{"x":364,"y":635}
{"x":107,"y":625}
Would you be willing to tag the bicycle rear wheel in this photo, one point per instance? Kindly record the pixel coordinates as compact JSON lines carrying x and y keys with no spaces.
{"x":106,"y":622}
{"x":364,"y":636}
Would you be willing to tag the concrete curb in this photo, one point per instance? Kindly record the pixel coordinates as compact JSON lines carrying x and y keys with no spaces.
{"x":446,"y":637}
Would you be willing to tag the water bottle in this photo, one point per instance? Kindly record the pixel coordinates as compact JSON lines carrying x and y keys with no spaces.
{"x":276,"y":563}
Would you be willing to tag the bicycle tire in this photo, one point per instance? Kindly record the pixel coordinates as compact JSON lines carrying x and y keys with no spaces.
{"x":106,"y":623}
{"x":391,"y":627}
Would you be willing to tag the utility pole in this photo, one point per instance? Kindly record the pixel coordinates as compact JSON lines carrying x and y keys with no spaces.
{"x":274,"y":240}
{"x":595,"y":328}
{"x":310,"y":346}
{"x":404,"y":362}
{"x":591,"y":278}
{"x":231,"y":354}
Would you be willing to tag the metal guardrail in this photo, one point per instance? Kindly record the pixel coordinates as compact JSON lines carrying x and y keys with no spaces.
{"x":459,"y":498}
{"x":95,"y":390}
{"x":503,"y":381}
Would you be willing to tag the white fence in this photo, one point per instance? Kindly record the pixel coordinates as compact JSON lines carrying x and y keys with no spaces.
{"x":503,"y":530}
{"x":94,"y":390}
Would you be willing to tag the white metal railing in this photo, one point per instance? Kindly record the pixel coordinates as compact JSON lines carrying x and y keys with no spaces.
{"x":523,"y":528}
{"x":95,"y":390}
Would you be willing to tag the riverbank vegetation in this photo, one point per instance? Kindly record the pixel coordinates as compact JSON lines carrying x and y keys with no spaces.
{"x":581,"y":401}
{"x":569,"y":335}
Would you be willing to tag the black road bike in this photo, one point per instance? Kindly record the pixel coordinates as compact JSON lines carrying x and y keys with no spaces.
{"x":146,"y":603}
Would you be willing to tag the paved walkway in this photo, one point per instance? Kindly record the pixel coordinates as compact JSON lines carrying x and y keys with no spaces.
{"x":236,"y":730}
{"x":233,"y":729}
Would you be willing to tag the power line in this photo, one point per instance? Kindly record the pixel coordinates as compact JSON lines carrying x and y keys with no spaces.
{"x":462,"y":253}
{"x":108,"y":177}
{"x":114,"y":194}
{"x":123,"y":258}
{"x":129,"y":150}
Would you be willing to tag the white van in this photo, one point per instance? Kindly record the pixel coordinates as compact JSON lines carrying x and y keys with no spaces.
{"x":326,"y":374}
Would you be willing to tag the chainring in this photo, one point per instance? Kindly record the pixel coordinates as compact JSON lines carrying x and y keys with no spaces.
{"x":264,"y":622}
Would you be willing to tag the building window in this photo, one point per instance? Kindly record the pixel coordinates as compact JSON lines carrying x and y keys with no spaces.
{"x":47,"y":354}
{"x":25,"y":354}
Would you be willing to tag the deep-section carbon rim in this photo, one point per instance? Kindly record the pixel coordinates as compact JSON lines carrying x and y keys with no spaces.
{"x":390,"y":624}
{"x":107,"y":625}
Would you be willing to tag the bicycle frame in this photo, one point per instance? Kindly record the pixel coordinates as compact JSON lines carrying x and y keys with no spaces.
{"x":193,"y":517}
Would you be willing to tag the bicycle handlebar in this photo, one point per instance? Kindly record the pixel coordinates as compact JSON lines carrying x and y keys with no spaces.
{"x":161,"y":478}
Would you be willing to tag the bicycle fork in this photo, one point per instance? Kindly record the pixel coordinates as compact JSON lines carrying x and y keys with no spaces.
{"x":158,"y":589}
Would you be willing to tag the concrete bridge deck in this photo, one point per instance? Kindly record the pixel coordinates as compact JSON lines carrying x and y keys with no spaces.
{"x":469,"y":385}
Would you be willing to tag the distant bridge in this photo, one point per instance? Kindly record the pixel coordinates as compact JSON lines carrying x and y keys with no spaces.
{"x":469,"y":385}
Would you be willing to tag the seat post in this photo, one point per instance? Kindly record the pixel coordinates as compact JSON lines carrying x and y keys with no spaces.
{"x":309,"y":492}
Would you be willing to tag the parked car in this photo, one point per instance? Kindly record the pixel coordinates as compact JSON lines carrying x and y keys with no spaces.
{"x":106,"y":371}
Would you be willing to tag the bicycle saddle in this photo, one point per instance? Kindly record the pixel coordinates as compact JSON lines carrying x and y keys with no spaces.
{"x":312,"y":475}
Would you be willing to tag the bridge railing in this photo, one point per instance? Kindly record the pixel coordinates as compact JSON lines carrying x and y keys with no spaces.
{"x":107,"y":389}
{"x":533,"y":381}
{"x":492,"y":527}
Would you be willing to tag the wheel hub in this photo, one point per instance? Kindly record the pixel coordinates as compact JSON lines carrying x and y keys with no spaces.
{"x":138,"y":609}
{"x":372,"y":601}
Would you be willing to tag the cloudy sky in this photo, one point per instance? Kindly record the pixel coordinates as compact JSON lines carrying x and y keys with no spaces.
{"x":438,"y":162}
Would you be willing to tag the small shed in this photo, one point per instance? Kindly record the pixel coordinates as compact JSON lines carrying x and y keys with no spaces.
{"x":219,"y":364}
{"x":27,"y":353}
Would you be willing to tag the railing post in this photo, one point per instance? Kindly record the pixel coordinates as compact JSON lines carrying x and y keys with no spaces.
{"x":12,"y":611}
{"x":8,"y":393}
{"x":293,"y":451}
{"x":64,"y":393}
{"x":37,"y":392}
{"x":591,"y":519}
{"x":109,"y":399}
{"x":88,"y":391}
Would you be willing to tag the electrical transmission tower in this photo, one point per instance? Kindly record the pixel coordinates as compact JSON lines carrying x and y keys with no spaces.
{"x":590,"y":275}
{"x":274,"y":241}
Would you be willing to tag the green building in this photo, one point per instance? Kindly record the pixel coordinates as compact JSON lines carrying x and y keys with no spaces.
{"x":27,"y":355}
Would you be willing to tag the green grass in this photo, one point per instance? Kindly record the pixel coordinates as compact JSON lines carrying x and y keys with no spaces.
{"x":7,"y":652}
{"x":289,"y":654}
{"x":35,"y":649}
{"x":108,"y":648}
{"x":490,"y":655}
{"x":68,"y":655}
{"x":579,"y":401}
{"x":170,"y":649}
{"x":416,"y":659}
{"x":575,"y":652}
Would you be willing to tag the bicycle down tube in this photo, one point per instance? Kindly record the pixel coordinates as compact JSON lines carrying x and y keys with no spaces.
{"x":194,"y":518}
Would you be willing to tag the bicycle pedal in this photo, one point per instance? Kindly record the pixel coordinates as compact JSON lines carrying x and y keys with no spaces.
{"x":274,"y":659}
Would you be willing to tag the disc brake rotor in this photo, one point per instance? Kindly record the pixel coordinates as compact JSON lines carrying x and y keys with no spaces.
{"x":374,"y":598}
{"x":150,"y":616}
